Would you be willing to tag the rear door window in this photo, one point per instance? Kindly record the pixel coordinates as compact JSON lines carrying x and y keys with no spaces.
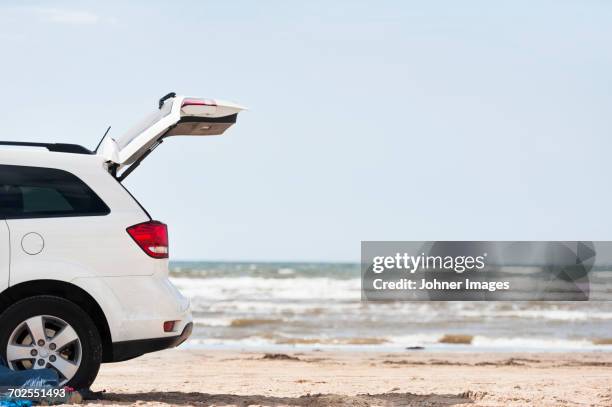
{"x":37,"y":192}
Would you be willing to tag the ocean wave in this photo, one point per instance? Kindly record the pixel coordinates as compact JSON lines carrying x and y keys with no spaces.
{"x":423,"y":312}
{"x":545,"y":314}
{"x":331,"y":341}
{"x":427,"y":342}
{"x":530,"y":343}
{"x":319,"y":288}
{"x":264,"y":270}
{"x":245,"y":322}
{"x":288,"y":305}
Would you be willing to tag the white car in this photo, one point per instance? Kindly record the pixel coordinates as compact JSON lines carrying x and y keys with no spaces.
{"x":83,"y":266}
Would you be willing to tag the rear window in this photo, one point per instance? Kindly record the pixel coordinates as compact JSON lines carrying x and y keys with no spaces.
{"x":36,"y":192}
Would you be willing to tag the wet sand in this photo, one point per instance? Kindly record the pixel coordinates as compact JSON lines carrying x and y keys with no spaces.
{"x":327,"y":378}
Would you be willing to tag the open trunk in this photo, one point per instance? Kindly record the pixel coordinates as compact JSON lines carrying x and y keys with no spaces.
{"x":176,"y":116}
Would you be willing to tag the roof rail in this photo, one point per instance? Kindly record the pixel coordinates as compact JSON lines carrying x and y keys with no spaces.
{"x":55,"y":147}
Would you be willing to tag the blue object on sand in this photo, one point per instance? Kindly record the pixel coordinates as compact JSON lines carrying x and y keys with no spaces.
{"x":31,"y":379}
{"x":26,"y":379}
{"x":15,"y":403}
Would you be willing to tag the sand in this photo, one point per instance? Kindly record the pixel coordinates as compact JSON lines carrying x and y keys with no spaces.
{"x":328,"y":378}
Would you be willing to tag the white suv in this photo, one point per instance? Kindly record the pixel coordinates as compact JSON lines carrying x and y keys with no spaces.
{"x":83,"y":267}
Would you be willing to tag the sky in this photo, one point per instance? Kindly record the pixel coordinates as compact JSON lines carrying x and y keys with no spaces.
{"x":386,"y":120}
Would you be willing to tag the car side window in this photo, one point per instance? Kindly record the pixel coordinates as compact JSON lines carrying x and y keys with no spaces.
{"x":37,"y":192}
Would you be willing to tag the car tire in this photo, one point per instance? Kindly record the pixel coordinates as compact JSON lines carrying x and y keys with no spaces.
{"x":55,"y":313}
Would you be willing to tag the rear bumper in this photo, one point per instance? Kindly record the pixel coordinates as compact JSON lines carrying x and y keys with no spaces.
{"x":131,"y":349}
{"x":136,"y":307}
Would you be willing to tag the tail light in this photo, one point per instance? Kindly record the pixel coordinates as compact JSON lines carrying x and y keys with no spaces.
{"x":152,"y":237}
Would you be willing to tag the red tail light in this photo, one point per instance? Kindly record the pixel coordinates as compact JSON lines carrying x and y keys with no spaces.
{"x":152,"y":237}
{"x":169,"y":326}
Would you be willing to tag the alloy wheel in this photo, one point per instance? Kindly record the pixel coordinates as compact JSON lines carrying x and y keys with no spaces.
{"x":45,"y":341}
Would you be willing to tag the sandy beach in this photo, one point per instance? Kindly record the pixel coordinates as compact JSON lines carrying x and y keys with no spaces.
{"x":328,"y":378}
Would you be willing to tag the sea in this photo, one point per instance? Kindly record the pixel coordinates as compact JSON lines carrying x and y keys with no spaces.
{"x":310,"y":306}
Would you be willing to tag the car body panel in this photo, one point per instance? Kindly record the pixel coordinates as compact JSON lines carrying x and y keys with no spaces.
{"x":136,"y":306}
{"x":5,"y":255}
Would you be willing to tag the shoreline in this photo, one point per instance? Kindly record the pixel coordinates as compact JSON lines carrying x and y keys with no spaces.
{"x":328,"y":378}
{"x":389,"y":348}
{"x":427,"y":342}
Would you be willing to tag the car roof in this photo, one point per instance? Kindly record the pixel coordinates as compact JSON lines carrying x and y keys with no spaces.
{"x":37,"y":157}
{"x":57,"y":147}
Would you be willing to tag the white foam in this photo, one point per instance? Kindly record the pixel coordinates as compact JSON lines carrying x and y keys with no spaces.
{"x":548,"y":314}
{"x":427,"y":341}
{"x":212,"y":321}
{"x":318,"y":288}
{"x":529,"y":343}
{"x":310,"y":307}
